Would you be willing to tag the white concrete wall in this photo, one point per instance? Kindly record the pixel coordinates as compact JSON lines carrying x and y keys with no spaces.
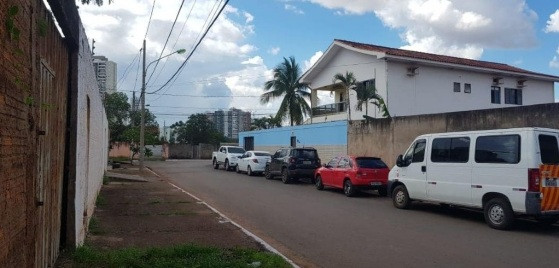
{"x":92,"y":142}
{"x":431,"y":90}
{"x":364,"y":67}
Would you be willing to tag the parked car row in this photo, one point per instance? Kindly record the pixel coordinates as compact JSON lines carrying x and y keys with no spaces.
{"x":505,"y":173}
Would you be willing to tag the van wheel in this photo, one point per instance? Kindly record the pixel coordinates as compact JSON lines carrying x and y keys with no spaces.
{"x":237,"y":169}
{"x":227,"y":167}
{"x":249,"y":171}
{"x":216,"y":165}
{"x":498,"y":214}
{"x":285,"y":176}
{"x":349,"y":190}
{"x":400,"y":197}
{"x":318,"y":183}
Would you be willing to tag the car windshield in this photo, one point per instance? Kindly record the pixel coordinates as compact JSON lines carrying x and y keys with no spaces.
{"x":236,"y":150}
{"x":262,"y":154}
{"x":370,"y":162}
{"x":305,"y":153}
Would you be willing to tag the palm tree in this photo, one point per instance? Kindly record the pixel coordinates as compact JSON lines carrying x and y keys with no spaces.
{"x":345,"y":82}
{"x":365,"y":93}
{"x":286,"y":84}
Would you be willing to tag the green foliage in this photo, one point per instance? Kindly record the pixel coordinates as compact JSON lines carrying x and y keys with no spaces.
{"x":117,"y":108}
{"x":94,"y":227}
{"x":286,"y":83}
{"x":198,"y":129}
{"x":11,"y":28}
{"x":364,"y":93}
{"x":266,"y":123}
{"x":42,"y":27}
{"x":175,"y":256}
{"x":29,"y":101}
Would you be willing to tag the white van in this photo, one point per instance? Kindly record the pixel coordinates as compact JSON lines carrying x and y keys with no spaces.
{"x":506,"y":172}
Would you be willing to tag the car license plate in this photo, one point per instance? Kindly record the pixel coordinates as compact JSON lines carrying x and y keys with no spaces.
{"x":375,"y":183}
{"x":549,"y":182}
{"x":307,"y":162}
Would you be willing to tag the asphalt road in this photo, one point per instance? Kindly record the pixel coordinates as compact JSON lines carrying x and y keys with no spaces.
{"x":327,"y":229}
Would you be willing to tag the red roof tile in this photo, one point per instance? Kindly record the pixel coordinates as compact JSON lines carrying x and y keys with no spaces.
{"x":441,"y":58}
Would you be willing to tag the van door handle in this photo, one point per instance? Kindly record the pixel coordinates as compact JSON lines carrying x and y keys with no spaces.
{"x":423,"y":168}
{"x":432,"y":182}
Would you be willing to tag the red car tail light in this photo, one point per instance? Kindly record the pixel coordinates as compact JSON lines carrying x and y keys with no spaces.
{"x":534,"y":179}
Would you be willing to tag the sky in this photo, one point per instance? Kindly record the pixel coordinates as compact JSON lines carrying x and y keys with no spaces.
{"x":251,"y":37}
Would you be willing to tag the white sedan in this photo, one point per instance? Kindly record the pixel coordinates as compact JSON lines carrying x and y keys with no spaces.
{"x":253,"y":162}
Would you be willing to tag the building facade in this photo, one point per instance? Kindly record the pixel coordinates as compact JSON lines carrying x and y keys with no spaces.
{"x":105,"y":70}
{"x":415,"y":83}
{"x":231,"y":122}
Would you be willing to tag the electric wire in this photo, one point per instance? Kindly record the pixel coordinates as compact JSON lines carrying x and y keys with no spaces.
{"x":149,"y":21}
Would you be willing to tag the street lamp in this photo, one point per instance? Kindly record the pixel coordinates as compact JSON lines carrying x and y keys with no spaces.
{"x":143,"y":100}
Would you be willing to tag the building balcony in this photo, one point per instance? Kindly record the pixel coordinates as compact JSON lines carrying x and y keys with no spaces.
{"x":329,"y":109}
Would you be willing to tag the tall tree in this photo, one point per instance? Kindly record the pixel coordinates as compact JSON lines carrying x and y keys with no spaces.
{"x":286,"y":84}
{"x":266,"y":123}
{"x":198,"y":129}
{"x":345,"y":82}
{"x":117,"y":107}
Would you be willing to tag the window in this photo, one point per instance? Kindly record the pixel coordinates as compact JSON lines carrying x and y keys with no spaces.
{"x":236,"y":150}
{"x":456,"y":87}
{"x":344,"y":163}
{"x":513,"y":96}
{"x":304,"y":153}
{"x":496,"y":95}
{"x":549,"y":149}
{"x":451,"y":150}
{"x":261,"y":154}
{"x":334,"y":162}
{"x":370,"y":162}
{"x":416,"y":153}
{"x":498,"y":149}
{"x":467,"y":88}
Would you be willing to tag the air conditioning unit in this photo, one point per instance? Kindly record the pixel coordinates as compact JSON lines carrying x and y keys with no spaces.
{"x":411,"y":71}
{"x":520,"y":83}
{"x":497,"y":81}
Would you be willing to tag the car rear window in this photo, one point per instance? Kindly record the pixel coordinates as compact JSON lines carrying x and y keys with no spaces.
{"x":370,"y":162}
{"x":305,"y":154}
{"x":549,"y":149}
{"x":235,"y":150}
{"x":262,"y":154}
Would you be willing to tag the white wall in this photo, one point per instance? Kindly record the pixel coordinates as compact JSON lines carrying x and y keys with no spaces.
{"x":364,"y":67}
{"x":431,"y":90}
{"x":92,"y":142}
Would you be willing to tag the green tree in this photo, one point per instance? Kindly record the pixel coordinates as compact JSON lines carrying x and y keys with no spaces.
{"x":198,"y":129}
{"x":117,"y":109}
{"x":367,"y":92}
{"x":345,"y":82}
{"x":286,"y":83}
{"x":266,"y":123}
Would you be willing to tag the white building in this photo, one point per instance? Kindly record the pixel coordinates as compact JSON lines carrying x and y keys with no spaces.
{"x":413,"y":83}
{"x":105,"y":70}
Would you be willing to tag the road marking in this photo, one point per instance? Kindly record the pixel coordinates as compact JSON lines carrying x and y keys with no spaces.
{"x":157,"y":175}
{"x":247,"y":232}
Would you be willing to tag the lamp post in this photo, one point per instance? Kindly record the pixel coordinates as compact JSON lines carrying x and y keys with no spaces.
{"x":143,"y":100}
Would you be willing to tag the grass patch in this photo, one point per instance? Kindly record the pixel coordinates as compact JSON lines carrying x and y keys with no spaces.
{"x":94,"y":227}
{"x":120,"y":159}
{"x":106,"y":180}
{"x":101,"y":201}
{"x":175,"y":256}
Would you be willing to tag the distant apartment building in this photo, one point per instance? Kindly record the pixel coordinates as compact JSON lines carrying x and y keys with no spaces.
{"x":230,"y":122}
{"x":105,"y":71}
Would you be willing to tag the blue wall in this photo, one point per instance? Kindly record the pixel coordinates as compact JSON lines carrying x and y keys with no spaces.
{"x":329,"y":133}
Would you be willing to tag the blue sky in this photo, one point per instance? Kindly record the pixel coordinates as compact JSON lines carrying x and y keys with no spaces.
{"x":252,"y":36}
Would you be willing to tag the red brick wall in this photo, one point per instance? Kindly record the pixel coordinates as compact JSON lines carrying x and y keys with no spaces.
{"x":29,"y":231}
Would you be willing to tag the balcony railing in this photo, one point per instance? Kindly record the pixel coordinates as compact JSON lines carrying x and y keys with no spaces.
{"x":334,"y":108}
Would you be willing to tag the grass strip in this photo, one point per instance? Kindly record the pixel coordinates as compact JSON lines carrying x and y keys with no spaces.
{"x":176,"y":256}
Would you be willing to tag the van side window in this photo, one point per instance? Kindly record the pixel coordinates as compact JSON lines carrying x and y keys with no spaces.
{"x":548,"y":149}
{"x":416,"y":152}
{"x":450,"y":150}
{"x":503,"y":149}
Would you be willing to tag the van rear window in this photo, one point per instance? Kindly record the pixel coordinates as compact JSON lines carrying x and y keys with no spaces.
{"x":503,"y":149}
{"x":549,"y":149}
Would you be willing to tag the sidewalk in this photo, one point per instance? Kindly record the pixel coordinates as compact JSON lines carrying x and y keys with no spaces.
{"x":143,"y":210}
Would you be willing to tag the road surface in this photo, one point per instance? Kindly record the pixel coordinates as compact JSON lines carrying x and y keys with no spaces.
{"x":327,"y":229}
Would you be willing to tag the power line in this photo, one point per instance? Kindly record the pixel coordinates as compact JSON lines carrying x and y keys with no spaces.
{"x":195,"y":47}
{"x":167,"y":40}
{"x":149,"y":21}
{"x":125,"y":74}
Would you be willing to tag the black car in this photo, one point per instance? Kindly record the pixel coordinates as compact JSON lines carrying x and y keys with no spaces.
{"x":293,"y":163}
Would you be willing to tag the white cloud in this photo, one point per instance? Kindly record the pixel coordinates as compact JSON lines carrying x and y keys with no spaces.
{"x":554,"y":63}
{"x":256,"y":60}
{"x":450,"y":27}
{"x":553,"y":23}
{"x":249,"y":17}
{"x":293,"y":9}
{"x":274,"y":51}
{"x":310,"y":62}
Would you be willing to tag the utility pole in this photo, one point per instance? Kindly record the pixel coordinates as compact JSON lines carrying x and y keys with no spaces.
{"x":143,"y":112}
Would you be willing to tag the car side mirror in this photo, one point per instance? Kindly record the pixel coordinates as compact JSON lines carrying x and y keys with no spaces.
{"x":400,"y":161}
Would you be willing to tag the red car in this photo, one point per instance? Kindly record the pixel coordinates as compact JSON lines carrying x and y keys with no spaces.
{"x":352,"y":173}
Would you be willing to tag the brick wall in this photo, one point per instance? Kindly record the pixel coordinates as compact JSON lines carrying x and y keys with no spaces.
{"x":33,"y":91}
{"x":387,"y":138}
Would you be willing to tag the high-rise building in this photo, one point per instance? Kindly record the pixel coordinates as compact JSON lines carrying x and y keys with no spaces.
{"x":105,"y":71}
{"x":230,"y":122}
